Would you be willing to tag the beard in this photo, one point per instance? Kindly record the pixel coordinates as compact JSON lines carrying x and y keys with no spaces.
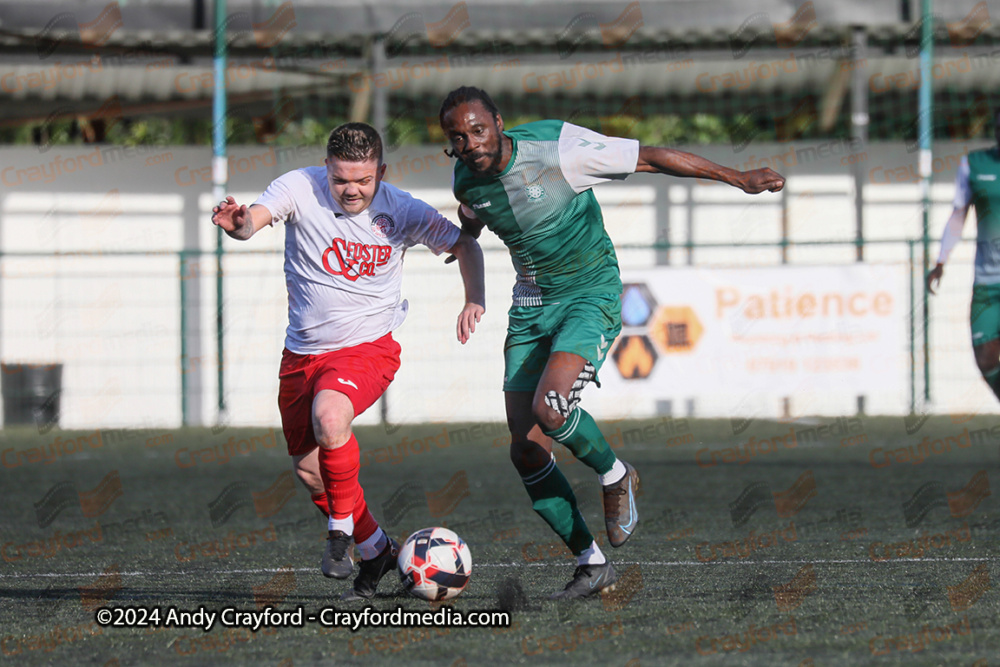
{"x":491,"y":162}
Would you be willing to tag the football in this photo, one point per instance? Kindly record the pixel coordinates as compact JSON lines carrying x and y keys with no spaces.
{"x":435,"y":564}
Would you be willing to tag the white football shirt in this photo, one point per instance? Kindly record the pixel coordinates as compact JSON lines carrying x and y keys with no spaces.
{"x":344,"y":272}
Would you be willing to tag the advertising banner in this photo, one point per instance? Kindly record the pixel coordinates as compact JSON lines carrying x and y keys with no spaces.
{"x":774,"y":331}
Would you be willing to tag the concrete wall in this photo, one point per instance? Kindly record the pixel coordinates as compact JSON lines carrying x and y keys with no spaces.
{"x":90,"y":274}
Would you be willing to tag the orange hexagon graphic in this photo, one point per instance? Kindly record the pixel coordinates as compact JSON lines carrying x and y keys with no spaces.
{"x":635,"y":357}
{"x":676,"y":329}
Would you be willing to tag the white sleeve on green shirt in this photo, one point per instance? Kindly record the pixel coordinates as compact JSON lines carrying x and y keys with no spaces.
{"x":588,"y":158}
{"x":963,"y":197}
{"x":963,"y":191}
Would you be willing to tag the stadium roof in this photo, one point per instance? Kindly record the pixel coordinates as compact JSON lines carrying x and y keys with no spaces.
{"x":149,"y":57}
{"x":353,"y":17}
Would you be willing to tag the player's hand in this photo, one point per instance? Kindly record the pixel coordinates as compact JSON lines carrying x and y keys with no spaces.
{"x":934,"y":278}
{"x":756,"y":181}
{"x":230,"y":216}
{"x":467,"y":321}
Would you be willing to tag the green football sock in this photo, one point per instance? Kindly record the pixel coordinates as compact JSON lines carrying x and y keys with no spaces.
{"x":581,"y":436}
{"x":553,"y":500}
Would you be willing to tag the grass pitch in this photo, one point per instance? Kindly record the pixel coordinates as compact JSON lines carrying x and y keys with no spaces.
{"x":826,"y":542}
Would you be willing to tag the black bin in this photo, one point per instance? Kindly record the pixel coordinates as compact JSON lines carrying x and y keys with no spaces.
{"x":31,"y":394}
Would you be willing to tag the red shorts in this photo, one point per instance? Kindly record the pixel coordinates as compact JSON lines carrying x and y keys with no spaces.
{"x":362,"y":373}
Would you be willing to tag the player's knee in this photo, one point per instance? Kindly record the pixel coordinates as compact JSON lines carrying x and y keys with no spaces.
{"x":331,"y":432}
{"x":518,"y":454}
{"x":334,"y":441}
{"x":332,"y":415}
{"x":548,"y":418}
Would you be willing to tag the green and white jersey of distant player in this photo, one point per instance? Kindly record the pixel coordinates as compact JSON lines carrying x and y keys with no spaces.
{"x":978,"y":184}
{"x":543,"y":209}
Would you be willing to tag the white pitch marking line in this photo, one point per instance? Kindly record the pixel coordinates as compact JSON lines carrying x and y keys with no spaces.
{"x":275,"y":570}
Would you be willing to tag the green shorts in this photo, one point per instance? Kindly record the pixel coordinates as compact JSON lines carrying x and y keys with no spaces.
{"x":583,"y":325}
{"x":984,"y":315}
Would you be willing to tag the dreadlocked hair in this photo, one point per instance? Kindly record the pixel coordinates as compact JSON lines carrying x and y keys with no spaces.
{"x":465,"y":94}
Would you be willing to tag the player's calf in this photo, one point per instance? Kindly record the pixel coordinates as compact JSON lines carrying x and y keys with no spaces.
{"x":988,"y":361}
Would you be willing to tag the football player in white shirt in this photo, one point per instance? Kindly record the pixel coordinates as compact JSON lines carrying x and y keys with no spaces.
{"x":345,"y":238}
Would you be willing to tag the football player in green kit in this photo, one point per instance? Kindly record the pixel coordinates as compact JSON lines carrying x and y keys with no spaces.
{"x":531,"y":186}
{"x":978,"y":184}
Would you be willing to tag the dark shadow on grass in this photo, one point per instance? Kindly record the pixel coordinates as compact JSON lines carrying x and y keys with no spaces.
{"x":135,"y":595}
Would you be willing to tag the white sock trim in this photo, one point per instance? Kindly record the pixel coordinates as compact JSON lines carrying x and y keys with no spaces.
{"x":346,"y":525}
{"x":374,"y":545}
{"x":592,"y":556}
{"x":534,"y":478}
{"x":574,"y":421}
{"x":614,"y":475}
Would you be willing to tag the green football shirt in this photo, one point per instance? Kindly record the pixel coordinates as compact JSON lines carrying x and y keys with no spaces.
{"x":981,"y":189}
{"x":543,"y":209}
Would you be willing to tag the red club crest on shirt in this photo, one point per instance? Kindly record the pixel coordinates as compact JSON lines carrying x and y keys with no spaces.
{"x":383,"y":226}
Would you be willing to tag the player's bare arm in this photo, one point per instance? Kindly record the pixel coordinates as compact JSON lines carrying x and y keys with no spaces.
{"x":474,"y":226}
{"x":659,"y":160}
{"x":240,"y":221}
{"x":470,"y":262}
{"x":952,"y":234}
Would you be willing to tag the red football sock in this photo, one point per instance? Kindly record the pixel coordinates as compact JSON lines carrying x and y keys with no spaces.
{"x":339,"y":470}
{"x":321,"y":502}
{"x":364,"y":523}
